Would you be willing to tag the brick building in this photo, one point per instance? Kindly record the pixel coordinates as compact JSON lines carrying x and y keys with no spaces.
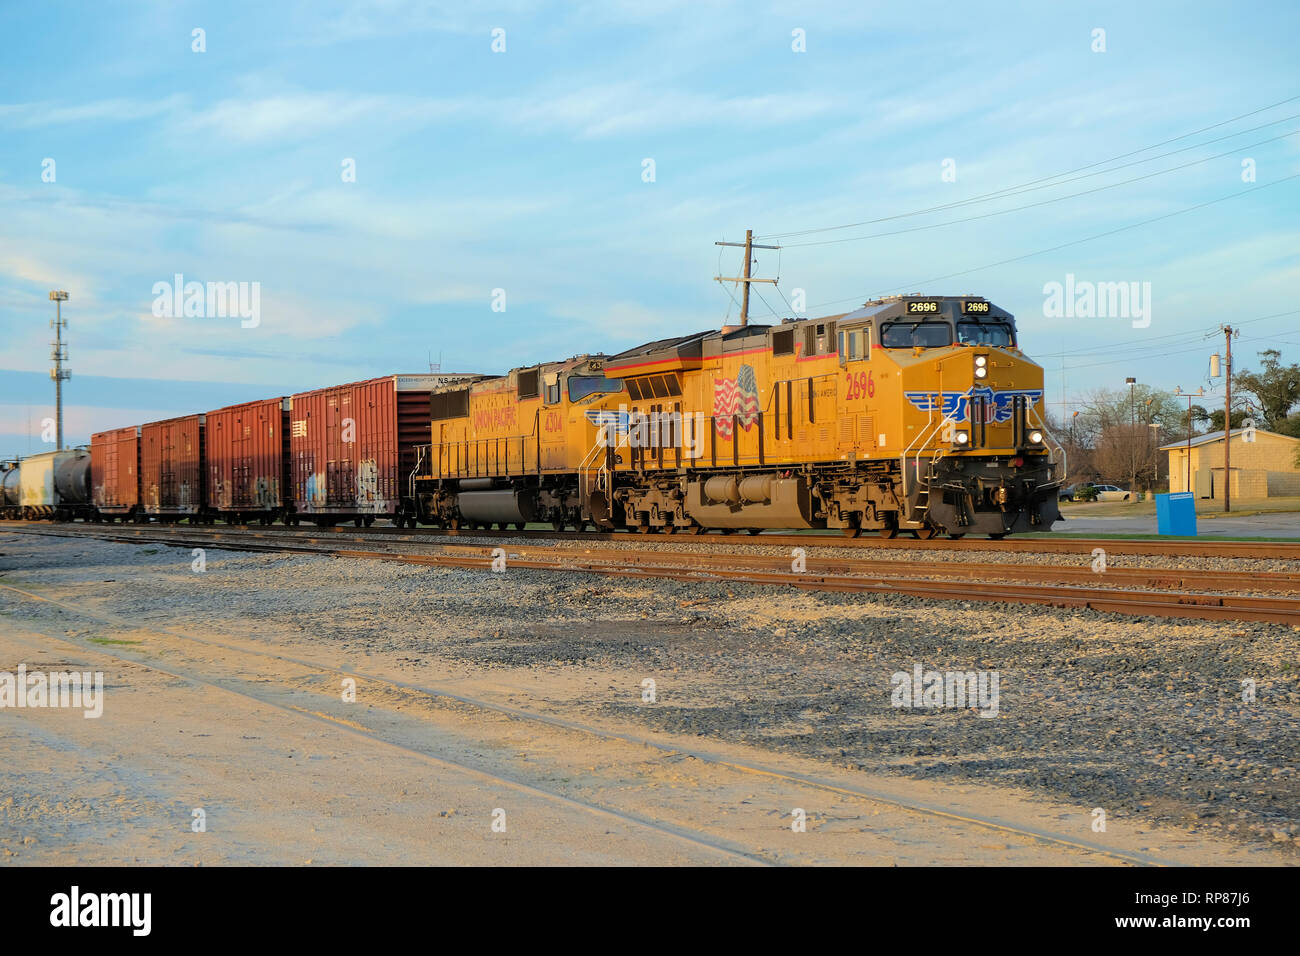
{"x":1262,"y":468}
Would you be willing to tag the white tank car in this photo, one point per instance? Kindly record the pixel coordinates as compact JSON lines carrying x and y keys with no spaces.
{"x":55,"y":484}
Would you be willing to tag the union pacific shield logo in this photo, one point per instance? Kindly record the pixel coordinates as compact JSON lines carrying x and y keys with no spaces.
{"x":609,"y":419}
{"x":956,"y":405}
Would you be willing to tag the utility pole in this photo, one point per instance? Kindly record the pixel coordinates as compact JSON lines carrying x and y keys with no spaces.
{"x":748,"y":245}
{"x":1227,"y":420}
{"x":59,"y":353}
{"x":1132,"y":438}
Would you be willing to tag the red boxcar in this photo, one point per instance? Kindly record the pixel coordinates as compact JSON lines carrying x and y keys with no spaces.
{"x":171,"y":467}
{"x":352,"y":447}
{"x":247,"y":451}
{"x":115,"y":471}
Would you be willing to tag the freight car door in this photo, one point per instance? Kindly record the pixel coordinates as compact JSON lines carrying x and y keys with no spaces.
{"x":338,"y":475}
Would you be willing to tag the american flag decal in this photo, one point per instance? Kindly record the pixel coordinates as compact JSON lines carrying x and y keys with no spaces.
{"x":738,"y":399}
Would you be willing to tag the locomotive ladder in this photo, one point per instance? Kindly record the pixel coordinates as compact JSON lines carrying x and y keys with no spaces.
{"x":602,"y":477}
{"x":920,"y":443}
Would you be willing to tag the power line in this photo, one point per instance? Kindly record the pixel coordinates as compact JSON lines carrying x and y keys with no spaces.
{"x":1195,"y":348}
{"x":1065,"y":245}
{"x":1047,"y":179}
{"x":1043,"y":202}
{"x":1201,"y":332}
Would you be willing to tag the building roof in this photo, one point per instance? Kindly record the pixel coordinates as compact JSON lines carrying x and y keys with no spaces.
{"x":1211,"y":437}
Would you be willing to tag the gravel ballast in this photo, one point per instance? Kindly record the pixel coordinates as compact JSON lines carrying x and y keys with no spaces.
{"x":1143,"y":718}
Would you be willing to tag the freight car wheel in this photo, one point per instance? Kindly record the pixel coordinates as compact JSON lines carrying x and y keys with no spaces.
{"x":925,"y":534}
{"x":453,"y":524}
{"x":997,"y":535}
{"x":957,"y":536}
{"x":519,"y":525}
{"x":557,"y":524}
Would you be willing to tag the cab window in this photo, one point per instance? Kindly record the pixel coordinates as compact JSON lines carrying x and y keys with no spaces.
{"x":854,"y":344}
{"x":580,"y":386}
{"x":997,"y":334}
{"x":906,"y":335}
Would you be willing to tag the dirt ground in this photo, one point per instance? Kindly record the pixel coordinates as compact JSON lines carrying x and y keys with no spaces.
{"x":506,"y":719}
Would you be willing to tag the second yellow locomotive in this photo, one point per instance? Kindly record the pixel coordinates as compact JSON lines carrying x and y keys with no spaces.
{"x":916,"y":413}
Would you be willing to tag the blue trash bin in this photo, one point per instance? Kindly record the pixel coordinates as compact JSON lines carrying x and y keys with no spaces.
{"x":1176,"y":513}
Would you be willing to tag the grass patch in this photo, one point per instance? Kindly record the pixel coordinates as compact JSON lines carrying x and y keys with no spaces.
{"x":106,"y":640}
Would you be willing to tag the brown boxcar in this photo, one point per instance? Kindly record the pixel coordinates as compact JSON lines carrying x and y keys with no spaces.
{"x":352,"y":447}
{"x":247,"y":451}
{"x":171,"y":467}
{"x":115,"y":471}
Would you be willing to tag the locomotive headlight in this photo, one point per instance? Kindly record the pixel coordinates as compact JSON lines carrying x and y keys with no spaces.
{"x":1036,"y":438}
{"x":962,"y":438}
{"x":981,"y":371}
{"x":981,"y":361}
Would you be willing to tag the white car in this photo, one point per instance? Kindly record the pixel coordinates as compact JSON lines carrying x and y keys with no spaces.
{"x":1111,"y":493}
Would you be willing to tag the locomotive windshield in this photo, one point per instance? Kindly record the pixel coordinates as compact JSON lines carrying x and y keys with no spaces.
{"x":997,"y":334}
{"x":580,"y":386}
{"x":924,"y":335}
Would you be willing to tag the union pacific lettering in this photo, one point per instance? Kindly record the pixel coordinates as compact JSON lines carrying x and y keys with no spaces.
{"x":491,"y":419}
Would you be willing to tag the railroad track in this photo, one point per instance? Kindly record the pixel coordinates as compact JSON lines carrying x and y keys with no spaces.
{"x":1044,"y":543}
{"x":1132,"y":591}
{"x":948,"y":814}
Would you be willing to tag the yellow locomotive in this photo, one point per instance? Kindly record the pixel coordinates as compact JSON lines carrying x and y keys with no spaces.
{"x":916,"y":413}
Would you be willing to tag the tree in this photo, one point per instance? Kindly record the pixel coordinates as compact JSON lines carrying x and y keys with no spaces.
{"x":1216,"y":419}
{"x":1290,"y":426}
{"x":1199,"y":417}
{"x":1275,"y":387}
{"x":1114,"y":424}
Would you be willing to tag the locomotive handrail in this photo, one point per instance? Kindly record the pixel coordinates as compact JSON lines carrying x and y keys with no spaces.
{"x":924,"y":437}
{"x":1047,"y":432}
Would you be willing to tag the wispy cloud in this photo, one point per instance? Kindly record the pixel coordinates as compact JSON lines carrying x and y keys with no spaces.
{"x":32,"y":115}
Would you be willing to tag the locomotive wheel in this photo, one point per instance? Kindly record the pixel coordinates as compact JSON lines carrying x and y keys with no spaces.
{"x":454,"y":524}
{"x":669,"y":529}
{"x":957,"y":536}
{"x":850,"y":531}
{"x":889,"y":531}
{"x":754,"y":530}
{"x":925,"y":534}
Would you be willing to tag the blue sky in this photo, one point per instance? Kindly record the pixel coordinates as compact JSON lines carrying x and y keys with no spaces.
{"x":522,"y":170}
